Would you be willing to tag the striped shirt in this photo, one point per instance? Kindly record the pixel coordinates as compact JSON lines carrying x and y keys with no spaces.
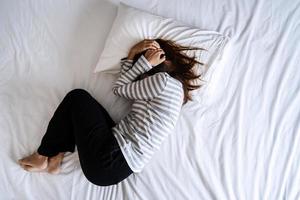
{"x":155,"y":110}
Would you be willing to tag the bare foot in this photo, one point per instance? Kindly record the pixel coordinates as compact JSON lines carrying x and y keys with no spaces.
{"x":34,"y":162}
{"x":54,"y":163}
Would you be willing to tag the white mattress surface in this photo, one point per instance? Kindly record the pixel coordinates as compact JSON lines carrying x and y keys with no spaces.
{"x":239,"y":139}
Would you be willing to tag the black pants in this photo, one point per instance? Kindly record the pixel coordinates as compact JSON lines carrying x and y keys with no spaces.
{"x":80,"y":120}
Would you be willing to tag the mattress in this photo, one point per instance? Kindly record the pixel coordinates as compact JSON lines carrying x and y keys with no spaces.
{"x":238,"y":139}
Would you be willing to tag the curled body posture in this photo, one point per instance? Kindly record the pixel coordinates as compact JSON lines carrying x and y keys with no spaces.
{"x":157,"y":76}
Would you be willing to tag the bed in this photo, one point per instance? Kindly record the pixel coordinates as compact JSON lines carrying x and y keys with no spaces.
{"x":240,"y":139}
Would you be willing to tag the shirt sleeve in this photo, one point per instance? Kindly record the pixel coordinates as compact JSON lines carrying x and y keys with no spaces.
{"x":145,"y":89}
{"x":126,"y":64}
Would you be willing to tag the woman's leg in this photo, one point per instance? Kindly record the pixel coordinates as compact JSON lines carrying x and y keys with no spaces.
{"x":88,"y":125}
{"x":59,"y":136}
{"x":78,"y":112}
{"x":100,"y":157}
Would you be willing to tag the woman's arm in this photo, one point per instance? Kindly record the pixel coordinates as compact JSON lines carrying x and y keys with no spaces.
{"x":130,"y":72}
{"x":142,"y":46}
{"x":144,"y":89}
{"x":126,"y":64}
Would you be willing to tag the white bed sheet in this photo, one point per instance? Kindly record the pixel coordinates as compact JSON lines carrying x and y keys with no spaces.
{"x":239,"y":140}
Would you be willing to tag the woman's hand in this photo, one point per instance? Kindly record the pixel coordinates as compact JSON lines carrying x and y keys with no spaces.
{"x":155,"y":57}
{"x":142,"y":46}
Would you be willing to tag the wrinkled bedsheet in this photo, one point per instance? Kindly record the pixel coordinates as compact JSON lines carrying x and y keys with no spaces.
{"x":238,"y":139}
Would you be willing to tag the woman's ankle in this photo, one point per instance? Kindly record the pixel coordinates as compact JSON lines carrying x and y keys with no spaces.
{"x":40,"y":156}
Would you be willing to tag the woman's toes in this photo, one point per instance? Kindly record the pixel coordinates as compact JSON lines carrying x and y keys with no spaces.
{"x":35,"y":160}
{"x":22,"y":161}
{"x":33,"y":169}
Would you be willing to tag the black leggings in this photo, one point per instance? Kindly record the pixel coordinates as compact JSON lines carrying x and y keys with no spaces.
{"x":81,"y":120}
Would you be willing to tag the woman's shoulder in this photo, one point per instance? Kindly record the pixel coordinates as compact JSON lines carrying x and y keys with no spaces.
{"x":168,"y":80}
{"x":173,"y":83}
{"x":172,"y":79}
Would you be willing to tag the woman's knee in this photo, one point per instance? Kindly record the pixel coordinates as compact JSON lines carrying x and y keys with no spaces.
{"x":97,"y":179}
{"x":103,"y":182}
{"x":102,"y":177}
{"x":78,"y":92}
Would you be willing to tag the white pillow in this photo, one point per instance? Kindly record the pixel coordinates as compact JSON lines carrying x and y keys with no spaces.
{"x":133,"y":25}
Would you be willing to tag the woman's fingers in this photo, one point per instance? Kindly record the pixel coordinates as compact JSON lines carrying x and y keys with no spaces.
{"x":161,"y":56}
{"x":158,"y":53}
{"x":155,"y":56}
{"x":154,"y":52}
{"x":151,"y":41}
{"x":156,"y":44}
{"x":151,"y":44}
{"x":141,"y":46}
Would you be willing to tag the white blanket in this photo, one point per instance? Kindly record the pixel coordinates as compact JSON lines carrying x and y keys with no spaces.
{"x":239,"y":140}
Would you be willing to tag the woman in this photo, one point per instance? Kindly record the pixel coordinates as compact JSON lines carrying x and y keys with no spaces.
{"x":156,"y":75}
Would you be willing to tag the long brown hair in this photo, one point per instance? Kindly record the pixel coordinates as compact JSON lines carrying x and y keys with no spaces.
{"x":182,"y":65}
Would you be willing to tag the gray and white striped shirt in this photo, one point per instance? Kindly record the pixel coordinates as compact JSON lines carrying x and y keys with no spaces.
{"x":155,"y":110}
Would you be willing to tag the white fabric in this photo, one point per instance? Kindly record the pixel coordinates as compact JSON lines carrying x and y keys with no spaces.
{"x":239,"y":140}
{"x":133,"y":25}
